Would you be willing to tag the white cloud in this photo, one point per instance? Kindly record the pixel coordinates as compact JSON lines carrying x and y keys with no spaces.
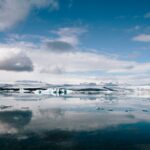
{"x":86,"y":62}
{"x":142,"y":38}
{"x":14,"y":11}
{"x":66,"y":41}
{"x":70,"y":35}
{"x":70,"y":67}
{"x":12,"y":59}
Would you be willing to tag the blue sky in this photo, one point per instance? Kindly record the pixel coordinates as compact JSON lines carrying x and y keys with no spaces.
{"x":92,"y":40}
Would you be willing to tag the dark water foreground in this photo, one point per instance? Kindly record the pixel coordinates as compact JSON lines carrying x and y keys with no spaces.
{"x":74,"y":123}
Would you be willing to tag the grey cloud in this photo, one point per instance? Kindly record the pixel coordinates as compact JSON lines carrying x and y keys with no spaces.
{"x":67,"y":40}
{"x":54,"y":70}
{"x":18,"y":62}
{"x":129,"y":67}
{"x":59,"y":46}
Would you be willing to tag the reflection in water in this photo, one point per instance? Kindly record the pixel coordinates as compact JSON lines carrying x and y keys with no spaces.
{"x":16,"y":119}
{"x":94,"y":122}
{"x":12,"y":121}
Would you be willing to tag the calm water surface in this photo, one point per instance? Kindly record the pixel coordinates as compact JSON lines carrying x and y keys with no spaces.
{"x":29,"y":122}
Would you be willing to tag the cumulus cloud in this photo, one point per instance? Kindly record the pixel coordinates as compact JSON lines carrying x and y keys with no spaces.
{"x":70,"y":34}
{"x":142,"y":38}
{"x":67,"y":40}
{"x":53,"y":70}
{"x":58,"y":46}
{"x":64,"y":66}
{"x":81,"y":67}
{"x":14,"y":60}
{"x":67,"y":67}
{"x":86,"y":62}
{"x":17,"y":62}
{"x":14,"y":11}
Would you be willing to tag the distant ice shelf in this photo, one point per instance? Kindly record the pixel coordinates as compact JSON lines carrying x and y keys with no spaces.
{"x":62,"y":90}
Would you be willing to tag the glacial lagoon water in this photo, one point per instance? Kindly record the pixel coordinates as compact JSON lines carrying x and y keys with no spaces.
{"x":91,"y":122}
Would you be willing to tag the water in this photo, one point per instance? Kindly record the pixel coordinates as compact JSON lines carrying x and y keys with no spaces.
{"x":89,"y":122}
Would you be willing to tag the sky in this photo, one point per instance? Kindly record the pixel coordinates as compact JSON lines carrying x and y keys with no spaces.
{"x":74,"y":41}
